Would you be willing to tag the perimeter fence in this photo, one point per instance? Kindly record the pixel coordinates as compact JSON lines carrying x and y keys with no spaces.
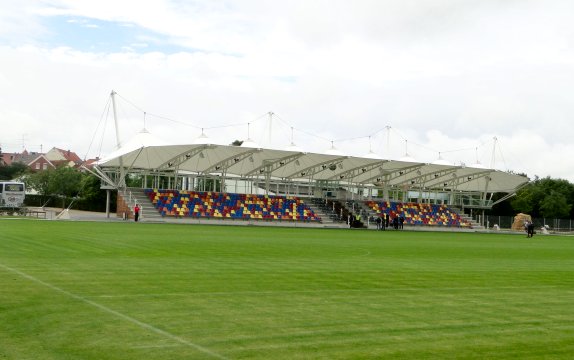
{"x":505,"y":222}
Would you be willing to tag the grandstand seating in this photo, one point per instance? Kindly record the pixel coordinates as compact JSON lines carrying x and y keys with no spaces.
{"x":218,"y":205}
{"x":419,"y":214}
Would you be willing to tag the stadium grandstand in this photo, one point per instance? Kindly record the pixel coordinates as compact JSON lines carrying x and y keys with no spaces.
{"x":244,"y":181}
{"x":209,"y":181}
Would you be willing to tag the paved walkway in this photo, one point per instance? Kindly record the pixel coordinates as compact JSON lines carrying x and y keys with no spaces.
{"x":78,"y":215}
{"x":59,"y":214}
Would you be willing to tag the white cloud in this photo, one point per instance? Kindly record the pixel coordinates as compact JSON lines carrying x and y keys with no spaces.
{"x":445,"y":75}
{"x":18,"y":23}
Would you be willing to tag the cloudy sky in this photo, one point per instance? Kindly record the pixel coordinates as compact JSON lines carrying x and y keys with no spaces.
{"x":440,"y":78}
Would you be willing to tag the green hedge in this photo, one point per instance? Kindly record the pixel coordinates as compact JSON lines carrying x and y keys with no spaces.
{"x":98,"y":204}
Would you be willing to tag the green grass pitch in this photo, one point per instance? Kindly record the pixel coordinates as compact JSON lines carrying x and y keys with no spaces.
{"x":89,"y":290}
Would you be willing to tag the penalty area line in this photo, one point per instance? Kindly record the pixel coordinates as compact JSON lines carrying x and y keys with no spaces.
{"x":116,"y":313}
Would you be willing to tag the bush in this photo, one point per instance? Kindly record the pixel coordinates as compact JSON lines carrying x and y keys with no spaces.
{"x":98,"y":204}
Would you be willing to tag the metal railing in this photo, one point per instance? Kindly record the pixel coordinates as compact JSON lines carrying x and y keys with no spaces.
{"x":505,"y":222}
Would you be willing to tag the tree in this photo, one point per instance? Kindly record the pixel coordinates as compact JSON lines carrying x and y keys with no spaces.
{"x":134,"y":180}
{"x":523,"y":201}
{"x":555,"y":206}
{"x":40,"y":182}
{"x":503,"y":208}
{"x":66,"y":183}
{"x":90,"y":187}
{"x":545,"y":198}
{"x":93,"y":198}
{"x":62,"y":182}
{"x":12,"y":171}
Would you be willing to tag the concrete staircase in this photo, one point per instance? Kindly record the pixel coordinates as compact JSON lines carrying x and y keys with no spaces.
{"x":147,"y":211}
{"x":474,"y":225}
{"x":328,"y":218}
{"x":333,"y":210}
{"x":464,"y":217}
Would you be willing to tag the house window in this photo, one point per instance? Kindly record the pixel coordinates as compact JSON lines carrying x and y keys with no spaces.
{"x":37,"y":166}
{"x":45,"y":166}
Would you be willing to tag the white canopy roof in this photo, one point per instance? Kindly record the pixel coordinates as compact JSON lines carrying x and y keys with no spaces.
{"x":141,"y":139}
{"x":234,"y":161}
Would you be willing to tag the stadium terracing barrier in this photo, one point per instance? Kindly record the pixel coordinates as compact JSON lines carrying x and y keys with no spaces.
{"x":217,"y":205}
{"x":419,"y":214}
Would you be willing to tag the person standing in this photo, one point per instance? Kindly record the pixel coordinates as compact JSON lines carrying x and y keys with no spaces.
{"x":136,"y":212}
{"x":530,"y":230}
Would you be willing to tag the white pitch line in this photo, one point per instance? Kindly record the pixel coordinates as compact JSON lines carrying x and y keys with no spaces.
{"x":155,"y":346}
{"x":366,"y":253}
{"x":116,"y":313}
{"x":326,"y":291}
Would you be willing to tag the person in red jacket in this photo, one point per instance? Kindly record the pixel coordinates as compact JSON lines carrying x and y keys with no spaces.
{"x":136,"y":212}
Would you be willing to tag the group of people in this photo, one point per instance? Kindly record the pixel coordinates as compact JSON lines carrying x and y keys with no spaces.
{"x":355,"y":220}
{"x":384,"y":221}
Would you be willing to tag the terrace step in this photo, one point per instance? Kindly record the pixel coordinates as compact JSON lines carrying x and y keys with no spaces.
{"x":147,"y":210}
